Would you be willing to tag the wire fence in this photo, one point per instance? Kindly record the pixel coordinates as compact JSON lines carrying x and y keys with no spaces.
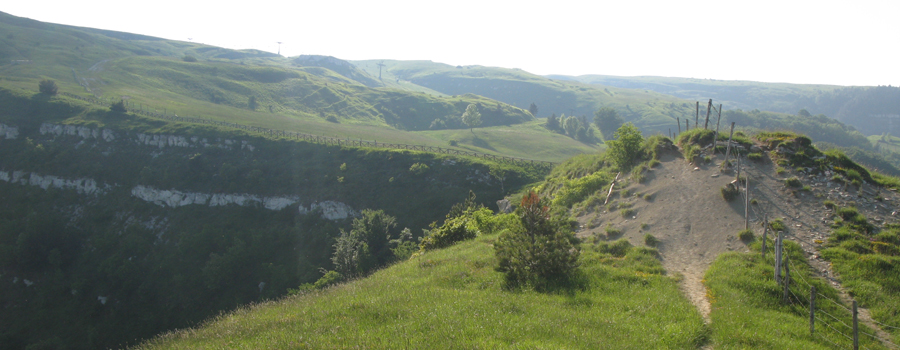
{"x":326,"y":140}
{"x":830,"y":321}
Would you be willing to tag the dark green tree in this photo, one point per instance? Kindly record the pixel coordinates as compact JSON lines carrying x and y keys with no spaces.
{"x":552,"y":122}
{"x":625,"y":150}
{"x":533,"y":109}
{"x":608,"y":121}
{"x":118,"y":107}
{"x":48,"y":87}
{"x":536,"y":251}
{"x":251,"y":103}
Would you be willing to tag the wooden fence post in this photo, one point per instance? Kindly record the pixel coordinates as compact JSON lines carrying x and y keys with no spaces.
{"x":855,"y":327}
{"x":746,"y":203}
{"x":708,"y":110}
{"x":697,"y":116}
{"x":778,"y":257}
{"x":765,"y":233}
{"x":679,"y":124}
{"x":812,"y":311}
{"x":787,"y":279}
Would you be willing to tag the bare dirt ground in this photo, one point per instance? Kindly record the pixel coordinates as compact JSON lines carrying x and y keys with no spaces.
{"x":694,"y":224}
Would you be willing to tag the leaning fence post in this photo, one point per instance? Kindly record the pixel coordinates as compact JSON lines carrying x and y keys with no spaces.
{"x":812,"y":311}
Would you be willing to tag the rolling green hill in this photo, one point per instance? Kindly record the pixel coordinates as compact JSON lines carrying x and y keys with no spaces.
{"x":652,"y":112}
{"x":307,"y":94}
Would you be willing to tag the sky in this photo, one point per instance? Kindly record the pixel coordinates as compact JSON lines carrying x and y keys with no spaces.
{"x":791,"y":41}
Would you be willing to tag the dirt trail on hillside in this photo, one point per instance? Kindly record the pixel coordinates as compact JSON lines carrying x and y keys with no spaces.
{"x":686,"y":213}
{"x":694,"y":224}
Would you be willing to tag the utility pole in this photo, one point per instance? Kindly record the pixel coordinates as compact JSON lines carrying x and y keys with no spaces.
{"x":279,"y":48}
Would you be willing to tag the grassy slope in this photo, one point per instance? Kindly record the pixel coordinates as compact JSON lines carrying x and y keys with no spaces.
{"x":650,"y":111}
{"x":747,"y":95}
{"x":453,"y":298}
{"x":747,"y":311}
{"x":150,"y":74}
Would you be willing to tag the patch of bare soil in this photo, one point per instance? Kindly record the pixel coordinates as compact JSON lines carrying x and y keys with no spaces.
{"x":685,"y":211}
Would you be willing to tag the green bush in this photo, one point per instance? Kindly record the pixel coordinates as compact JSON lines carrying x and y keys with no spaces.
{"x":793,"y":182}
{"x":729,"y":192}
{"x":330,"y":278}
{"x":650,"y":240}
{"x":611,"y":231}
{"x":755,"y":156}
{"x":746,"y":236}
{"x":453,"y":230}
{"x":777,"y":225}
{"x":829,"y":204}
{"x":628,"y":212}
{"x":418,"y":168}
{"x":617,"y":248}
{"x":536,"y":252}
{"x":48,"y":87}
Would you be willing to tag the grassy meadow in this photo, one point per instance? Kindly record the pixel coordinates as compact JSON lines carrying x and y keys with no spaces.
{"x":453,"y":298}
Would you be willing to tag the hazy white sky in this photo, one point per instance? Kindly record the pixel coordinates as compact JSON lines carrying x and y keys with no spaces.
{"x":823,"y":42}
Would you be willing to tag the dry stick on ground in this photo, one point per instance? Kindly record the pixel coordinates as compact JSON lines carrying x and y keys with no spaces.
{"x":611,"y":188}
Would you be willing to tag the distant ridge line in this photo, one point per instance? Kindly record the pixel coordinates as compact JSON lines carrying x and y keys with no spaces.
{"x":326,"y":140}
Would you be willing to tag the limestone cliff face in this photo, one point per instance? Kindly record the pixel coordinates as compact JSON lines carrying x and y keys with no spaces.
{"x":172,"y":198}
{"x":8,"y":132}
{"x":83,"y":185}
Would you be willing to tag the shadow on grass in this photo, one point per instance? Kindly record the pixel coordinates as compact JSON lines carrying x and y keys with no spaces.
{"x":481,"y":143}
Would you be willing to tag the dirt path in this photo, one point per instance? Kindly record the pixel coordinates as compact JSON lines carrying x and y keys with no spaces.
{"x":688,"y":216}
{"x":686,"y":213}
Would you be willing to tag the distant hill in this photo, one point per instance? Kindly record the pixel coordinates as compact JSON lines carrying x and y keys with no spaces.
{"x":652,"y":112}
{"x":872,"y":110}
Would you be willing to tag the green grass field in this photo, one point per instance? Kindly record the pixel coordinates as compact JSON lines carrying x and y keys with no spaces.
{"x":453,"y":298}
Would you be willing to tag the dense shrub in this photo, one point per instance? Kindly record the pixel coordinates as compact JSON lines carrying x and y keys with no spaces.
{"x":536,"y":252}
{"x":48,"y":87}
{"x":746,"y":236}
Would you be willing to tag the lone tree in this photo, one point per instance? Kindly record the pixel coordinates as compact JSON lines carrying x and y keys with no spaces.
{"x":607,"y":120}
{"x":48,"y":87}
{"x":251,"y":103}
{"x":118,"y":107}
{"x":533,"y":109}
{"x":626,"y":150}
{"x":472,"y":117}
{"x":536,"y":251}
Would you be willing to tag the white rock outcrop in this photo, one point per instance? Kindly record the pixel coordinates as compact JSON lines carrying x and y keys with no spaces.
{"x":175,"y":198}
{"x":82,"y":185}
{"x":331,"y":210}
{"x":9,"y":132}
